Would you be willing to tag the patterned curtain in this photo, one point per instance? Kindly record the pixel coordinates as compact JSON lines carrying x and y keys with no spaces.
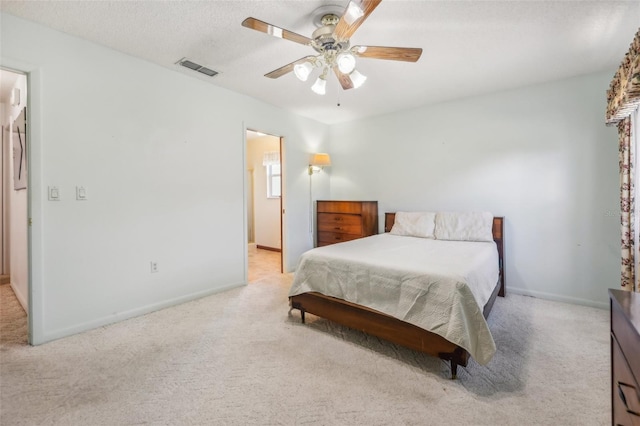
{"x":623,"y":98}
{"x":627,"y":204}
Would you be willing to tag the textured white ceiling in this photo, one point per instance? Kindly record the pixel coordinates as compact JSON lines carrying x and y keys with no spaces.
{"x":469,"y":47}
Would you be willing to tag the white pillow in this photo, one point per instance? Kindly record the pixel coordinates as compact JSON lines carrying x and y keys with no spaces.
{"x":414,"y":224}
{"x":464,"y":226}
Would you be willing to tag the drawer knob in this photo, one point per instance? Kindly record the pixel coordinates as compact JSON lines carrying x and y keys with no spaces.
{"x":337,"y":228}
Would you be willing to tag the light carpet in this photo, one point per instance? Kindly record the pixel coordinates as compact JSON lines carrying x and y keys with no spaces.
{"x":238,"y":357}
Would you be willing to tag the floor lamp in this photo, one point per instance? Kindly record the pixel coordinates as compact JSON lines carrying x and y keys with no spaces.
{"x":316,"y":164}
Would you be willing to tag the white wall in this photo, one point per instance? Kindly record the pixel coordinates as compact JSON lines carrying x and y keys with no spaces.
{"x":162,"y":158}
{"x":267,"y":210}
{"x":541,"y":156}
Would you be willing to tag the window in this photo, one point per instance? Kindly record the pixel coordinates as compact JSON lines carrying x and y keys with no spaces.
{"x":273,"y":181}
{"x":271,"y":162}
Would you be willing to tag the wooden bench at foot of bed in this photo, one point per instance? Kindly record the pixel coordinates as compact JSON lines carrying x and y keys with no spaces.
{"x":392,"y":329}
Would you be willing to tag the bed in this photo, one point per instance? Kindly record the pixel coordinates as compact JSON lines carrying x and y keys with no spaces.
{"x":341,"y":306}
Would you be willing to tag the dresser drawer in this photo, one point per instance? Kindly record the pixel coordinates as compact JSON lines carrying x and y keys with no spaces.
{"x":625,"y":393}
{"x":341,"y":223}
{"x":325,"y":238}
{"x":354,"y":207}
{"x":627,"y":338}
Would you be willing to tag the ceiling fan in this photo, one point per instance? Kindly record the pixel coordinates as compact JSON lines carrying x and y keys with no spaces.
{"x":331,"y":42}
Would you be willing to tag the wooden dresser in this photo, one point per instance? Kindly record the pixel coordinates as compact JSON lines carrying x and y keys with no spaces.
{"x":340,"y":221}
{"x":625,"y":357}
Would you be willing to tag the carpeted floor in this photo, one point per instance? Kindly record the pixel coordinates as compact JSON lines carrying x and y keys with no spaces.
{"x":238,"y":357}
{"x":13,"y":321}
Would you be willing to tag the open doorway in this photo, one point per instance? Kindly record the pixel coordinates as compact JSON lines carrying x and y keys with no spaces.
{"x":14,"y":273}
{"x":264,"y":205}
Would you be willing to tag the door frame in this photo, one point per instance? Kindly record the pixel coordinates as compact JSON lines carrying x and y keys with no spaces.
{"x":245,"y":185}
{"x":35,"y":302}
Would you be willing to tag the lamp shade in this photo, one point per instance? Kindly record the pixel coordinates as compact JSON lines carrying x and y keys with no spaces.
{"x":320,"y":160}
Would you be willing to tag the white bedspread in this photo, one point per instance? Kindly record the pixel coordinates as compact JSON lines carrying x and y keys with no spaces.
{"x":440,"y":286}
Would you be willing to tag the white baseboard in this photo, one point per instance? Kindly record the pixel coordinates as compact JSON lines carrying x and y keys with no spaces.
{"x":121,"y":316}
{"x":21,"y":297}
{"x":557,"y":297}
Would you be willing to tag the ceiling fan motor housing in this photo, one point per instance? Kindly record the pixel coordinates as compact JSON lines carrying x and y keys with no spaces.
{"x":324,"y":40}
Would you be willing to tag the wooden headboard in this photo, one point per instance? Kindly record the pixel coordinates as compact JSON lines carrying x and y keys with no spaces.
{"x":498,"y":232}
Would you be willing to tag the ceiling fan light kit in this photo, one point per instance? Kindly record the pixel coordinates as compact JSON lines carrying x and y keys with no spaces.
{"x":357,"y":79}
{"x":320,"y":86}
{"x":331,"y":42}
{"x":346,"y":62}
{"x":303,"y":70}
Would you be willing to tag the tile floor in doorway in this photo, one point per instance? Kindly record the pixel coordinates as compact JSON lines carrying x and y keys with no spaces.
{"x":263,"y":263}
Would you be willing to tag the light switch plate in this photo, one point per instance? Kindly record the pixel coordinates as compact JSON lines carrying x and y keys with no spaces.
{"x":54,"y":193}
{"x":81,"y":193}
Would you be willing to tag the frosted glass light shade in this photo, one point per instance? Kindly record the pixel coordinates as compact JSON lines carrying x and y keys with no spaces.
{"x":357,"y":79}
{"x":346,"y":62}
{"x":320,"y":86}
{"x":302,"y":70}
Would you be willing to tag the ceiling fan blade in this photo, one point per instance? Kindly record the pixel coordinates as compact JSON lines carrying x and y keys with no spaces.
{"x":344,"y":79}
{"x":258,"y":25}
{"x":348,"y":23}
{"x":407,"y":54}
{"x":287,"y":68}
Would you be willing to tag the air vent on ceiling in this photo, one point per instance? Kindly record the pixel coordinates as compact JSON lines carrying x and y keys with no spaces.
{"x":196,"y":67}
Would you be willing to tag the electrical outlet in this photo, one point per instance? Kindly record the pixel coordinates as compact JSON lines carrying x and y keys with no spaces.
{"x":154,"y":267}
